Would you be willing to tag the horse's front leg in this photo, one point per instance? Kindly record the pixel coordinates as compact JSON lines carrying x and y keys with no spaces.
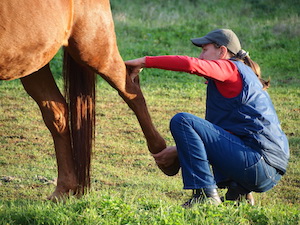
{"x":42,"y":88}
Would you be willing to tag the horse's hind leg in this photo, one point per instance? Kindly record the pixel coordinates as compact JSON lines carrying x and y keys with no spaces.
{"x":97,"y":48}
{"x":42,"y":88}
{"x":131,"y":93}
{"x":115,"y":73}
{"x":112,"y":68}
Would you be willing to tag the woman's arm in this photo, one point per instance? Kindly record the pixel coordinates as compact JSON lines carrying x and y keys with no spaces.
{"x":220,"y":70}
{"x":135,"y":66}
{"x":223,"y":72}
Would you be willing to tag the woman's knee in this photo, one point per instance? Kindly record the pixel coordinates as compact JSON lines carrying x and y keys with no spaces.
{"x":186,"y":119}
{"x":178,"y":119}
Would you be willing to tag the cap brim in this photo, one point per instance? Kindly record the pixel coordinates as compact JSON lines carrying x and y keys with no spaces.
{"x":200,"y":41}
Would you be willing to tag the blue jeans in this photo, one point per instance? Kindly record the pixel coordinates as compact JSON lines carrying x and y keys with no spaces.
{"x":201,"y":144}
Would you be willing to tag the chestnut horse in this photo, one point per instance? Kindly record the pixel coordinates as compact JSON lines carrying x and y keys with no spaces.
{"x":31,"y":33}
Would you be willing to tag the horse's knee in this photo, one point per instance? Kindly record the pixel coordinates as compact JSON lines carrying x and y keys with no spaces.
{"x":55,"y":116}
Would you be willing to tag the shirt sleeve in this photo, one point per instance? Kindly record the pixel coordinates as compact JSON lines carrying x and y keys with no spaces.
{"x":223,"y":72}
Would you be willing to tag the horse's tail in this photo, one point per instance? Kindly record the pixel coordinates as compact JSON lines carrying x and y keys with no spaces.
{"x":80,"y":95}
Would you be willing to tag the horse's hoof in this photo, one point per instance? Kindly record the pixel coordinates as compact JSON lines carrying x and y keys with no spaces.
{"x":58,"y":197}
{"x":171,"y":170}
{"x":61,"y":196}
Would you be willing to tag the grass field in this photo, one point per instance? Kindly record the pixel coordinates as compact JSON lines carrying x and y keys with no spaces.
{"x":127,"y":187}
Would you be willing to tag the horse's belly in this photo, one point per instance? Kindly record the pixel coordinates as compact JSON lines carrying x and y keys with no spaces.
{"x":31,"y":32}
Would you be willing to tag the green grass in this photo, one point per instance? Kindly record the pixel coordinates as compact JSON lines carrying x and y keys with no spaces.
{"x":127,"y":187}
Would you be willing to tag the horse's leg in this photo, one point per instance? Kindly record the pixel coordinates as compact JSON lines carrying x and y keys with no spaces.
{"x":94,"y":44}
{"x":115,"y":73}
{"x":97,"y":48}
{"x":131,"y":93}
{"x":113,"y":70}
{"x":42,"y":88}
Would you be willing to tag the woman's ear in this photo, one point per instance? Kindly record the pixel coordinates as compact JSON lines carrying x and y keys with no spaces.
{"x":223,"y":52}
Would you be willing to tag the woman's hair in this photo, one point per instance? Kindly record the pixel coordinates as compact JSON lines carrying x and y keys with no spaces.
{"x":256,"y":69}
{"x":244,"y":57}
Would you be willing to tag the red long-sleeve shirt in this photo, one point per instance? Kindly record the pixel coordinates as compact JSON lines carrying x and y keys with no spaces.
{"x":223,"y":72}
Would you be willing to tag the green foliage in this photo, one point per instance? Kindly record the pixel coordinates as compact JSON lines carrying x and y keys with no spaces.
{"x":127,"y":187}
{"x":105,"y":209}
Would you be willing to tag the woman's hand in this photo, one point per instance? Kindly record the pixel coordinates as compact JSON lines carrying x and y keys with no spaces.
{"x":166,"y":157}
{"x":135,"y":66}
